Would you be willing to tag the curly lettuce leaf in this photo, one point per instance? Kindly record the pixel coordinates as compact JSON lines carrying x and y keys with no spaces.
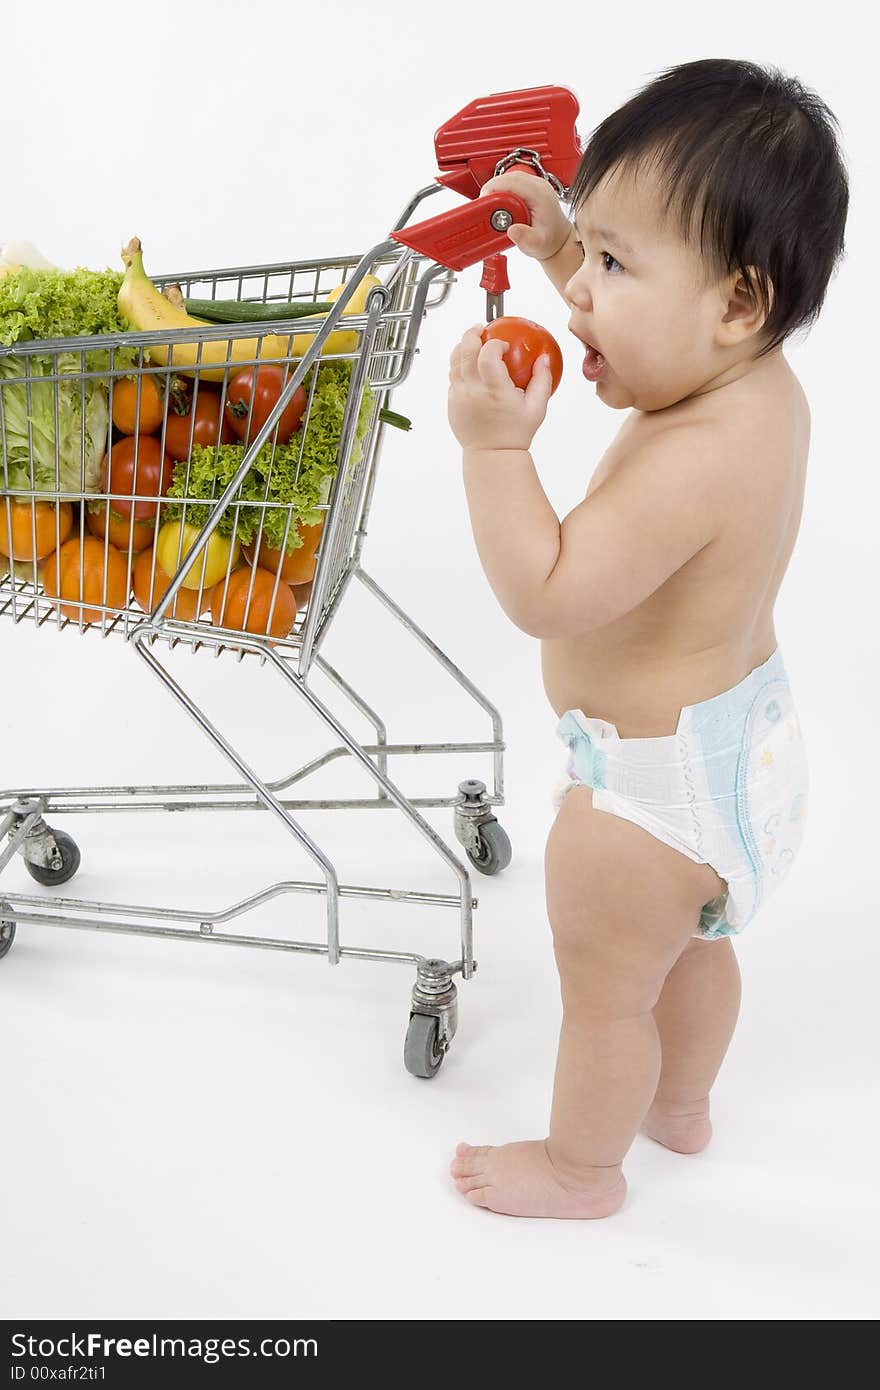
{"x":272,"y":477}
{"x":59,"y":304}
{"x":36,"y":305}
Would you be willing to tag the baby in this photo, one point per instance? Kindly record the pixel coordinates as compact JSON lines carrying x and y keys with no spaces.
{"x":684,"y":800}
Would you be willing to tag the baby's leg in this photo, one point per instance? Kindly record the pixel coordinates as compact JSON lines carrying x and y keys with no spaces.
{"x":695,"y":1016}
{"x":622,"y":907}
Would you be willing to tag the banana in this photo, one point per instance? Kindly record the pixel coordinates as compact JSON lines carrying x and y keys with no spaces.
{"x":149,"y":311}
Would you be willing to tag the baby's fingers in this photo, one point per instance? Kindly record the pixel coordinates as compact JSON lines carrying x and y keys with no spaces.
{"x":490,"y":362}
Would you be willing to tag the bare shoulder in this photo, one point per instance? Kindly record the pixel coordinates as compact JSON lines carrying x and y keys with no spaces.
{"x":747,"y":445}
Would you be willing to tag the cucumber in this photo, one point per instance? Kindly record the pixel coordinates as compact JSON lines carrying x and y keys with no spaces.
{"x":252,"y":311}
{"x":391,"y":417}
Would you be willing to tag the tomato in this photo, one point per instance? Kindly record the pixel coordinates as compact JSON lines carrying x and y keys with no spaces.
{"x":150,"y":477}
{"x":528,"y":341}
{"x":36,"y":528}
{"x":187,"y":606}
{"x":120,"y":529}
{"x":263,"y":386}
{"x":76,"y":572}
{"x":298,"y":566}
{"x":206,"y":426}
{"x":215,"y":556}
{"x":126,"y":417}
{"x":233,"y":610}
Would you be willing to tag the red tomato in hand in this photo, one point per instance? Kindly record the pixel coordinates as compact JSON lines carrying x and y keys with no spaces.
{"x":263,"y":385}
{"x":151,"y":477}
{"x":209,"y":420}
{"x":528,"y":341}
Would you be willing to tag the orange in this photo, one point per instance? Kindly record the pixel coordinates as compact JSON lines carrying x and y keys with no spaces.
{"x":230,"y":612}
{"x":36,"y":528}
{"x":297,"y":567}
{"x":76,"y":572}
{"x":186,"y":606}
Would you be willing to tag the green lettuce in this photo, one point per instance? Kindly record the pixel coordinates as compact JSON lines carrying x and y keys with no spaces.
{"x":272,"y":477}
{"x":42,"y":304}
{"x":27,"y":427}
{"x":59,"y":304}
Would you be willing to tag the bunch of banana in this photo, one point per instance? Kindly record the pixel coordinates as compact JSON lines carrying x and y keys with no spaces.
{"x":147,"y":310}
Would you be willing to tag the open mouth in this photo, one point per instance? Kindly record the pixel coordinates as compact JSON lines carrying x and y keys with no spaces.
{"x":594,"y":363}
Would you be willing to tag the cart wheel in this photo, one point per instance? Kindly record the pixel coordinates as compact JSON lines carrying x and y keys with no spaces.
{"x":422,"y":1055}
{"x":69,"y":851}
{"x":7,"y":936}
{"x":493,"y":852}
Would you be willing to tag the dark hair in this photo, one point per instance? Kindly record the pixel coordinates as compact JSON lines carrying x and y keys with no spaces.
{"x":753,"y":153}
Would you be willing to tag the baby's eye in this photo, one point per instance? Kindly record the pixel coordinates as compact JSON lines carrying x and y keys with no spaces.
{"x":602,"y":253}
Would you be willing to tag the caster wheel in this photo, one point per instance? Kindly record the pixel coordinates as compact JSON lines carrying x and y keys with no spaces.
{"x":493,"y":852}
{"x":70,"y":857}
{"x":422,"y":1054}
{"x":7,"y":936}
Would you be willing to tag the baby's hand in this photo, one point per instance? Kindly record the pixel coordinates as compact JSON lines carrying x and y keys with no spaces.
{"x":486,"y":410}
{"x":549,"y":229}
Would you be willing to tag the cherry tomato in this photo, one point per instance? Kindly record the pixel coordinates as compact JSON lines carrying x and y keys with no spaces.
{"x":150,"y":477}
{"x":126,"y":417}
{"x":528,"y":341}
{"x":263,"y":385}
{"x":207,"y":424}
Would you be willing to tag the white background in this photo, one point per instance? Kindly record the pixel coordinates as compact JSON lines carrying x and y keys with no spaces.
{"x":217,"y":1133}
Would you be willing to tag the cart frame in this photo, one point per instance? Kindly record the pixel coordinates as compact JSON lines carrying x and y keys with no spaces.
{"x":387,"y":331}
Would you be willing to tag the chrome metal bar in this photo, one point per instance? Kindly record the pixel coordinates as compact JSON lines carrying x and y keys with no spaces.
{"x":369,"y":714}
{"x":400,"y":801}
{"x":54,"y":797}
{"x":346,"y":478}
{"x":135,"y":804}
{"x":219,"y":938}
{"x":139,"y":644}
{"x":453,"y":670}
{"x":238,"y":909}
{"x":18,"y":836}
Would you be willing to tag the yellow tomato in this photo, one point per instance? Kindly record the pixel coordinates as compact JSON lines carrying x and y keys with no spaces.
{"x":215,"y":556}
{"x":358,"y":302}
{"x":339,"y":341}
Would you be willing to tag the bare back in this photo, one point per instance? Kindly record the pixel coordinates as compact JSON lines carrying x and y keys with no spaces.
{"x":711,"y":623}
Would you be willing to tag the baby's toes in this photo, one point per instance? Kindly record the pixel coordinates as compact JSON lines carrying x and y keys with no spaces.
{"x":472,"y":1180}
{"x":478,"y":1196}
{"x":469,"y":1163}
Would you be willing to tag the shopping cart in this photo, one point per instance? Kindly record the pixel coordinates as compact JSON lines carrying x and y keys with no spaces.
{"x":167,"y":560}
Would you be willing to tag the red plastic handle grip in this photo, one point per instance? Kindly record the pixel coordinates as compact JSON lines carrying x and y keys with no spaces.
{"x":465,"y":235}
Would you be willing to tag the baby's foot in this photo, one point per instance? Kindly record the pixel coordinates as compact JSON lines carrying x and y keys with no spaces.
{"x":520,"y":1180}
{"x":686,"y":1134}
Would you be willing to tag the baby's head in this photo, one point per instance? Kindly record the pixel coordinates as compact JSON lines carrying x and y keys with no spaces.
{"x":726,"y":189}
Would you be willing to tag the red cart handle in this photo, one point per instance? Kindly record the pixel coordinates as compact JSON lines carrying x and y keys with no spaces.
{"x":463,"y":236}
{"x":532,"y":129}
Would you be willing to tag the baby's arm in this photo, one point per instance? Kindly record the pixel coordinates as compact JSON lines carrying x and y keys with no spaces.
{"x":664,"y":502}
